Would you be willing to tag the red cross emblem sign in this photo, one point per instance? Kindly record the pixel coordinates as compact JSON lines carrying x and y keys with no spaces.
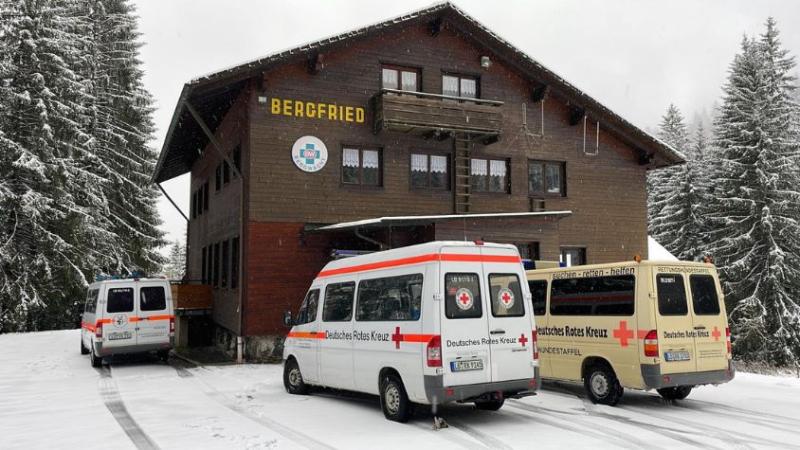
{"x":523,"y":339}
{"x":506,"y":298}
{"x":623,"y":333}
{"x":464,"y":299}
{"x":716,"y":333}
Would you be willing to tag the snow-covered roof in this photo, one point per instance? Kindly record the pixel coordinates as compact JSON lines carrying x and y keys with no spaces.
{"x":657,"y":252}
{"x":417,"y":220}
{"x":184,"y":136}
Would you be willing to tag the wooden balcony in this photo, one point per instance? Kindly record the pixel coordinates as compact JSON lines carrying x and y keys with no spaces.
{"x":192,"y":296}
{"x":419,"y":112}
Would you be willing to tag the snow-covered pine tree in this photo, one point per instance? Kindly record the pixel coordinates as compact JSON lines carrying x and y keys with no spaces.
{"x":175,"y":267}
{"x":755,"y":216}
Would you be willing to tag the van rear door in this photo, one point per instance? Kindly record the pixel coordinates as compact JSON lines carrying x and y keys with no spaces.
{"x":710,"y":323}
{"x":510,"y":324}
{"x":675,"y":324}
{"x":464,"y":318}
{"x":120,"y":316}
{"x":153,"y":313}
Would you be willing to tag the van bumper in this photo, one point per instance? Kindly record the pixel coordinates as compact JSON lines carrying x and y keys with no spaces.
{"x":438,"y":394}
{"x":128,"y":349}
{"x":653,"y":379}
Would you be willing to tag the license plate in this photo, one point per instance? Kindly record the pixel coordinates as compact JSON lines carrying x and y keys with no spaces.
{"x":676,"y":356}
{"x":463,"y":366}
{"x":119,"y":335}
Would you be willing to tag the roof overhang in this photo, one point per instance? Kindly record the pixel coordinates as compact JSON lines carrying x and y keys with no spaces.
{"x":408,"y":221}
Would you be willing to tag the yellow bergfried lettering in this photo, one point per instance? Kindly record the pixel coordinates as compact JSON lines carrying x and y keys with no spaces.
{"x":321,"y":110}
{"x":275,"y":107}
{"x":287,"y":107}
{"x":331,"y":112}
{"x":311,"y":110}
{"x":298,"y":108}
{"x":360,"y":115}
{"x":348,"y":114}
{"x":341,"y":113}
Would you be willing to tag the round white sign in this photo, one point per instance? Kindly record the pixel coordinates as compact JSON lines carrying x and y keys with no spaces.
{"x":309,"y":154}
{"x":464,"y":299}
{"x":506,"y":297}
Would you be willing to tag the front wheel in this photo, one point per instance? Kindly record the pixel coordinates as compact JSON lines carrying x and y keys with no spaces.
{"x":490,"y":405}
{"x":293,"y":379}
{"x":394,"y":400}
{"x":602,"y":385}
{"x":95,"y":360}
{"x":675,"y":393}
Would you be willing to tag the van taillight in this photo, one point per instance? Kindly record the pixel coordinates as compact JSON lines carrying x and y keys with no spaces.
{"x":728,"y":339}
{"x":172,"y":324}
{"x":534,"y":342}
{"x":98,"y":330}
{"x":651,"y":344}
{"x":434,"y":352}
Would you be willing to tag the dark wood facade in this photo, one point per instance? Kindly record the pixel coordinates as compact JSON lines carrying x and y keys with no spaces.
{"x":272,"y":208}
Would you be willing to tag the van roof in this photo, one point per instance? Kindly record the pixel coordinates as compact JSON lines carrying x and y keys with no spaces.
{"x":127,"y":280}
{"x":619,"y":264}
{"x":410,"y":251}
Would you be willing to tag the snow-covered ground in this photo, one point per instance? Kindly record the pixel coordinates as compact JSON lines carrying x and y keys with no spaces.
{"x":51,"y":397}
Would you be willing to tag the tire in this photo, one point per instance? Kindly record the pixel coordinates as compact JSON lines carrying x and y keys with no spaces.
{"x":490,"y":405}
{"x":293,"y":379}
{"x":394,"y":400}
{"x":602,"y":385}
{"x":95,"y":360}
{"x":163,"y":355}
{"x":675,"y":393}
{"x":84,"y":350}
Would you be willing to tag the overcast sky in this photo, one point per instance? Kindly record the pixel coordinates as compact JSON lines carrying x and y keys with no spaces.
{"x":634,"y":56}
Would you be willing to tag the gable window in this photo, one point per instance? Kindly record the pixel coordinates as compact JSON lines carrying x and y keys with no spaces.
{"x":573,"y":256}
{"x":489,"y":175}
{"x":546,"y":178}
{"x":529,"y":250}
{"x":429,"y":171}
{"x":361,"y":166}
{"x":459,"y":86}
{"x":400,"y":78}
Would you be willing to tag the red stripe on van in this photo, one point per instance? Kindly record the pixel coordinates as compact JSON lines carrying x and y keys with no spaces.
{"x":456,"y":257}
{"x":424,"y":338}
{"x":307,"y":334}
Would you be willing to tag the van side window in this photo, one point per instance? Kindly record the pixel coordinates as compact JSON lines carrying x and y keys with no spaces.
{"x":308,"y":310}
{"x":392,"y":298}
{"x":463,"y":296}
{"x":120,"y":300}
{"x":338,"y":302}
{"x":506,"y":295}
{"x":671,"y":295}
{"x":704,"y":295}
{"x":539,"y":294}
{"x":91,"y":301}
{"x":593,"y":296}
{"x":152,"y":298}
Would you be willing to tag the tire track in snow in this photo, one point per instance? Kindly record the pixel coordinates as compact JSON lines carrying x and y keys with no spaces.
{"x":289,"y":433}
{"x":109,"y":392}
{"x":480,"y":436}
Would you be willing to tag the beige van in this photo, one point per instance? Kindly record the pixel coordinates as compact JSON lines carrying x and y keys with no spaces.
{"x":638,"y":325}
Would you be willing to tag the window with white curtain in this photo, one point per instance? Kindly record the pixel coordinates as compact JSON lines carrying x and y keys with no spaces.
{"x":429,"y":171}
{"x":400,"y":78}
{"x":489,"y":175}
{"x":459,"y":86}
{"x":361,"y":166}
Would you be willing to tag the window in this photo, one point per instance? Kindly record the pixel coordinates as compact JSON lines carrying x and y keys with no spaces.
{"x":237,"y":158}
{"x":224,"y":275}
{"x":235,"y":263}
{"x":393,"y":298}
{"x":546,"y":178}
{"x":308,"y":309}
{"x":539,"y":296}
{"x":671,"y":295}
{"x":120,"y":300}
{"x":218,"y":178}
{"x":215,"y":272}
{"x":338,"y":302}
{"x":460,"y":86}
{"x":193,"y":208}
{"x":361,"y":166}
{"x":152,"y":298}
{"x":226,"y":172}
{"x":506,"y":295}
{"x":529,"y":250}
{"x":463,"y":296}
{"x":205,"y":196}
{"x":210,"y":267}
{"x":593,"y":296}
{"x":203,"y":266}
{"x":429,"y":171}
{"x":91,"y":301}
{"x":400,"y":78}
{"x":489,"y":175}
{"x":704,"y":294}
{"x":572,"y":256}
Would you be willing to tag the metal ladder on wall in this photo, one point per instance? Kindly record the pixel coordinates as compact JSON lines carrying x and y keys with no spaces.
{"x":462,"y":187}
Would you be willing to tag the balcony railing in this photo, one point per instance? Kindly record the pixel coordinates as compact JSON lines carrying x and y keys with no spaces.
{"x":419,"y":111}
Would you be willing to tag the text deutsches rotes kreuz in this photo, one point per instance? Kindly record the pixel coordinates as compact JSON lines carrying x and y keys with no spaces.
{"x":587,"y":331}
{"x":374,"y":336}
{"x":481,"y":341}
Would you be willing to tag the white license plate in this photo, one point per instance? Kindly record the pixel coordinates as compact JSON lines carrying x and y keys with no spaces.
{"x":676,"y":356}
{"x":463,"y":366}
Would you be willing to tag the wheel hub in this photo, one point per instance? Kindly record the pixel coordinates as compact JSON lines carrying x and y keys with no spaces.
{"x":392,"y":399}
{"x":599,"y":384}
{"x":294,"y":377}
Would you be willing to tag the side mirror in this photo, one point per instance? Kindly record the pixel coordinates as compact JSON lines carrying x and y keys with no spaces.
{"x":287,"y":319}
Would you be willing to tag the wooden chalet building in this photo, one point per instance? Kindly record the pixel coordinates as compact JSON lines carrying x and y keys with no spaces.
{"x":423,"y":127}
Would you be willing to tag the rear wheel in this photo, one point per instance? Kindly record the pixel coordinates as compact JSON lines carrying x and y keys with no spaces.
{"x":163,"y":355}
{"x":675,"y":393}
{"x":84,"y":350}
{"x":602,"y":385}
{"x":394,"y":400}
{"x":490,"y":405}
{"x":96,"y":360}
{"x":293,"y":379}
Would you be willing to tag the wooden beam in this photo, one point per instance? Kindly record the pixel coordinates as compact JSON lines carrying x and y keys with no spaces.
{"x":171,"y":201}
{"x":576,"y":114}
{"x":214,"y":143}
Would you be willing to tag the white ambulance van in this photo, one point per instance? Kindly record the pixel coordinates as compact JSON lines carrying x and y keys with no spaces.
{"x":426,"y":324}
{"x":132,"y":315}
{"x":639,"y":325}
